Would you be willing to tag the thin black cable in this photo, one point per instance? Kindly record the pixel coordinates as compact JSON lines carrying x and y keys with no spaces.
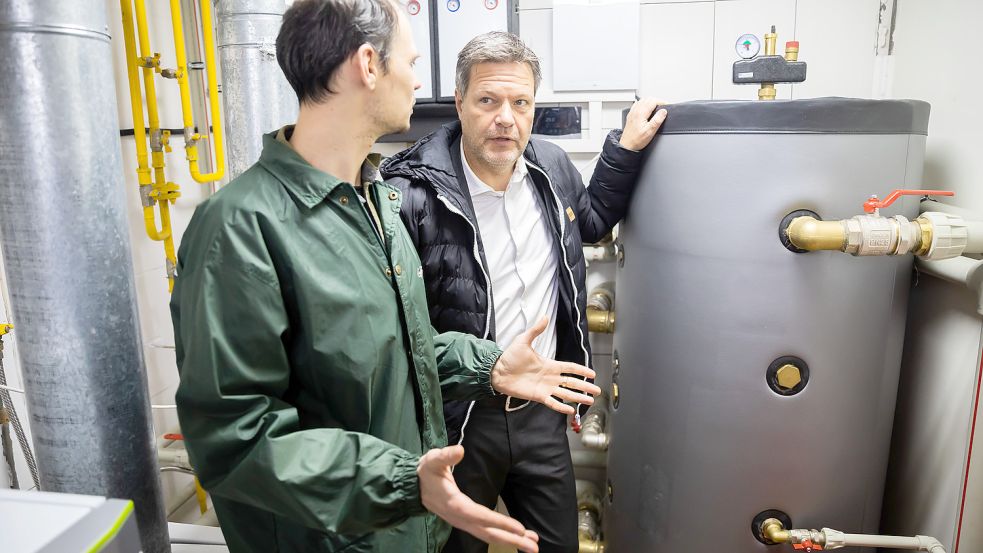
{"x":15,"y":421}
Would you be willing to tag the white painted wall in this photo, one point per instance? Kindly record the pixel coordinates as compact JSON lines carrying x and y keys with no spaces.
{"x":933,"y":45}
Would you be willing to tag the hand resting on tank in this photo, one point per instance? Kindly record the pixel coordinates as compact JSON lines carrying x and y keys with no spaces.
{"x":642,"y":122}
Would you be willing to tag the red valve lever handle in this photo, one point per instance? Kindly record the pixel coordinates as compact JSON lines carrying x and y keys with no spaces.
{"x":873,"y":204}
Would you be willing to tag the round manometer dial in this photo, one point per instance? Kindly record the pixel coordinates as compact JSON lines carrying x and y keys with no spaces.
{"x":413,"y":7}
{"x":748,"y":46}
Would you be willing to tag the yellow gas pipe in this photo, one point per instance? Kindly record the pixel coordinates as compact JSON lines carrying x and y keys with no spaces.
{"x":190,"y":137}
{"x":157,"y":190}
{"x":160,"y":191}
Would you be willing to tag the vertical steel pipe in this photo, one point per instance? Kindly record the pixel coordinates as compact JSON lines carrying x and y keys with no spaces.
{"x":257,"y":97}
{"x":67,"y":258}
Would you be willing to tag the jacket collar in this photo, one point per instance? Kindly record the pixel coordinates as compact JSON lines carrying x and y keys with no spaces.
{"x":436,"y":159}
{"x":308,"y":185}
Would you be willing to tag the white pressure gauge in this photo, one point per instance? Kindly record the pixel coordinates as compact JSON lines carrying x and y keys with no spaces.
{"x":748,"y":46}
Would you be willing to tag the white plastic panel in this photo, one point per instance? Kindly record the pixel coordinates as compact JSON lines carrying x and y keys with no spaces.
{"x":536,"y":30}
{"x":585,"y":32}
{"x":458,"y":21}
{"x":677,"y":51}
{"x":837,"y":42}
{"x":419,"y":16}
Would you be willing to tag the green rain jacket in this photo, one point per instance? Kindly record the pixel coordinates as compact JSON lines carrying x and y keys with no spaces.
{"x":311,"y":378}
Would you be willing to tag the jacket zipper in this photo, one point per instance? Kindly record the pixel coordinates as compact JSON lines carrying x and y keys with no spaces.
{"x":573,"y":282}
{"x":477,"y":257}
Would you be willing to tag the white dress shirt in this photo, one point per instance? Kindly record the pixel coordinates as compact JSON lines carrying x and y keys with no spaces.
{"x":521,"y":256}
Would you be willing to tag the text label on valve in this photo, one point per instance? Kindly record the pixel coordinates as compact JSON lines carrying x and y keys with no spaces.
{"x":873,"y":204}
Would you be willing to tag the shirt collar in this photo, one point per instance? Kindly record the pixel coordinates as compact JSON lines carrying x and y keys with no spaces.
{"x":308,"y":185}
{"x":476,"y":186}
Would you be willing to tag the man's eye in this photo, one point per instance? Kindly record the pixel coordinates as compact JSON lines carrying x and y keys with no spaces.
{"x":485,"y":100}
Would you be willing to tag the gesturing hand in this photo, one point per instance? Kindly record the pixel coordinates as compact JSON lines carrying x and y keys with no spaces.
{"x":641,"y":124}
{"x":442,"y":497}
{"x":522,"y":373}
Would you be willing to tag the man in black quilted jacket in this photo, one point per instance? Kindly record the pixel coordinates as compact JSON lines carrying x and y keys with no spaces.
{"x":499,"y":221}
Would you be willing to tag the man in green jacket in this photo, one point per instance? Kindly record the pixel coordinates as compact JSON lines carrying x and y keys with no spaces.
{"x":311,"y":378}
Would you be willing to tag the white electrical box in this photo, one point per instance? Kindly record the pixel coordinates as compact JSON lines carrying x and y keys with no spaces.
{"x":458,"y":21}
{"x":599,"y":42}
{"x":420,"y":25}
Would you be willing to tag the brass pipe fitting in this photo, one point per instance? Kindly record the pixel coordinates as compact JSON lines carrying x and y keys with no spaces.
{"x":589,"y":505}
{"x":807,"y":233}
{"x":792,"y":51}
{"x":587,"y":531}
{"x":588,"y":545}
{"x":925,"y":231}
{"x":931,"y":236}
{"x":771,"y":42}
{"x":775,"y":531}
{"x":767,"y":90}
{"x":600,"y":311}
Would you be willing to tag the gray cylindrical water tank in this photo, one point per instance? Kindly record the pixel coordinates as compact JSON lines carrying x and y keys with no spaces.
{"x":709,"y":298}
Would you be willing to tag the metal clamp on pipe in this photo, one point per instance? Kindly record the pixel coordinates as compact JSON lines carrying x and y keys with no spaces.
{"x":606,"y":249}
{"x":932,"y":236}
{"x":589,"y":518}
{"x":827,"y":538}
{"x":592,"y":433}
{"x":600,"y":309}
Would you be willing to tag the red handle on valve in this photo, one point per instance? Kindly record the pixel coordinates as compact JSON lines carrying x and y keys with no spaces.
{"x":873,"y":203}
{"x":807,"y":545}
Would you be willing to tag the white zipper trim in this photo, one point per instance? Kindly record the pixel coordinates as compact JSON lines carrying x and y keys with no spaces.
{"x":466,"y":419}
{"x":477,"y":257}
{"x":573,"y":282}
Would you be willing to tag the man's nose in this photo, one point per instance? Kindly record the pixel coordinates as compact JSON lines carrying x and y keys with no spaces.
{"x":505,"y":117}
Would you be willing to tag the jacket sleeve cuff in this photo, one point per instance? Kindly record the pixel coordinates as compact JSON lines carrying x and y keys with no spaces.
{"x":485,"y":364}
{"x":618,"y":155}
{"x":407,"y":485}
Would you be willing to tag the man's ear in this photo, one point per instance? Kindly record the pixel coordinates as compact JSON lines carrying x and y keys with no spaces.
{"x":365,"y":62}
{"x":458,"y":101}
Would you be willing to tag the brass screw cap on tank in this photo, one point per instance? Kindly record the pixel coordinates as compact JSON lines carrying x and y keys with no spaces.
{"x":787,"y":375}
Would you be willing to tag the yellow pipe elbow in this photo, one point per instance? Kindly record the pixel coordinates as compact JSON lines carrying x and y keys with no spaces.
{"x":807,"y":233}
{"x":150,"y":223}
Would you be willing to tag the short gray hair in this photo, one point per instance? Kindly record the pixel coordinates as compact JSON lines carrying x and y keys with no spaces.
{"x":495,"y":47}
